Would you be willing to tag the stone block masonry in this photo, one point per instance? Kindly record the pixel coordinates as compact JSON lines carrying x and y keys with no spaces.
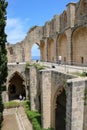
{"x":33,"y":87}
{"x":75,"y":104}
{"x":46,"y":98}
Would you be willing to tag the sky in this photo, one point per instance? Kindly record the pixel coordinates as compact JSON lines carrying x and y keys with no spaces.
{"x":23,"y":14}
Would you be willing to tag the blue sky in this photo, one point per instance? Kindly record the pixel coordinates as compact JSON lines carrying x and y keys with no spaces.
{"x":23,"y":14}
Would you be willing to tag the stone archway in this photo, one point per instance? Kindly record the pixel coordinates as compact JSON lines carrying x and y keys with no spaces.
{"x":62,"y":47}
{"x":16,"y":86}
{"x":60,"y":110}
{"x":79,"y":40}
{"x":35,"y":51}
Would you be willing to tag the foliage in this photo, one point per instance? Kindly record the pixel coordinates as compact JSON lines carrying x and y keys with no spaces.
{"x":36,"y":65}
{"x":28,"y":65}
{"x":34,"y":117}
{"x":83,"y":74}
{"x":11,"y":104}
{"x":0,"y":120}
{"x":3,"y":52}
{"x":48,"y":129}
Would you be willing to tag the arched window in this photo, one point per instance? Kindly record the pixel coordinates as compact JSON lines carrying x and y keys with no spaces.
{"x":35,"y":52}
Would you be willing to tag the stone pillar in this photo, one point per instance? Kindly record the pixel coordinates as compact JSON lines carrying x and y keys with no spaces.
{"x":71,"y":14}
{"x":27,"y":93}
{"x":46,"y":55}
{"x":75,"y":104}
{"x":57,"y":23}
{"x":5,"y":97}
{"x":33,"y":87}
{"x":69,"y":49}
{"x":46,"y":98}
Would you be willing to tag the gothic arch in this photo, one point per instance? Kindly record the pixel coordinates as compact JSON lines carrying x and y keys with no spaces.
{"x":59,"y":109}
{"x":79,"y":46}
{"x":37,"y":47}
{"x":62,"y":47}
{"x":50,"y":50}
{"x":18,"y":73}
{"x":16,"y":86}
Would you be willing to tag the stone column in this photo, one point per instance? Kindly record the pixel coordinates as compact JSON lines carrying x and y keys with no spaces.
{"x":5,"y":97}
{"x":46,"y":50}
{"x":33,"y":87}
{"x":27,"y":92}
{"x":46,"y":98}
{"x":71,"y":14}
{"x":69,"y":47}
{"x":75,"y":104}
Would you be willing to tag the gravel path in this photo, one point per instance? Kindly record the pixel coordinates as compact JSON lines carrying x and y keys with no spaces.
{"x":16,"y":119}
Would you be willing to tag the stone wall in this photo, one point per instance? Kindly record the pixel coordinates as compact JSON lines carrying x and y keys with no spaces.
{"x":75,"y":104}
{"x":49,"y":84}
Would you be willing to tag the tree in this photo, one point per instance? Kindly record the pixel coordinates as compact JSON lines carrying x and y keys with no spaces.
{"x":3,"y":52}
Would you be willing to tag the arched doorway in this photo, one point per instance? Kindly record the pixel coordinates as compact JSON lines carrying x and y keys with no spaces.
{"x":16,"y":86}
{"x":60,"y":111}
{"x":35,"y":52}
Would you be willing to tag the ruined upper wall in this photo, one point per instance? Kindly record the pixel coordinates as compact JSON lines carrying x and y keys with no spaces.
{"x":74,"y":15}
{"x":81,"y":13}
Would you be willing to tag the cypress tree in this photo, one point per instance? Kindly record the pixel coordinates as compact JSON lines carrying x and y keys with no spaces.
{"x":3,"y":52}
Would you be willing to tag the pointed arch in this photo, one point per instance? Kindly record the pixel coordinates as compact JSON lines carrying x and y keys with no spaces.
{"x":59,"y":104}
{"x":79,"y":40}
{"x":35,"y":51}
{"x":16,"y":73}
{"x":62,"y":47}
{"x":16,"y":86}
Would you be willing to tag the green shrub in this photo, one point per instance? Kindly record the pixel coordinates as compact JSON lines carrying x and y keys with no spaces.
{"x":1,"y":118}
{"x":48,"y":129}
{"x":83,"y":74}
{"x":36,"y":125}
{"x":36,"y":65}
{"x":34,"y":117}
{"x":11,"y":104}
{"x":28,"y":65}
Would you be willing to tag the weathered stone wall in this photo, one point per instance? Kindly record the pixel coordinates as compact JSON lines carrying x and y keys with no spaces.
{"x":48,"y":84}
{"x":81,"y":12}
{"x":46,"y":98}
{"x":33,"y":87}
{"x":75,"y":104}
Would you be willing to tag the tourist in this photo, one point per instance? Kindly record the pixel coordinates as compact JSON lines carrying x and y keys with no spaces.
{"x":20,"y":97}
{"x":60,"y":59}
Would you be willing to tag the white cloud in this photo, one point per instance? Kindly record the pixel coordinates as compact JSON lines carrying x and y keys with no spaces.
{"x":15,"y":30}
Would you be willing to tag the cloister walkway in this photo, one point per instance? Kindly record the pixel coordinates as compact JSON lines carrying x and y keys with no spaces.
{"x":61,"y":67}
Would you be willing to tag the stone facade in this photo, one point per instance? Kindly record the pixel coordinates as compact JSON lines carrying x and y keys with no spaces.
{"x":44,"y":89}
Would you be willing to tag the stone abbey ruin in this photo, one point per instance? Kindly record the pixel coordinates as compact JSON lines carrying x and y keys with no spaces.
{"x":59,"y":96}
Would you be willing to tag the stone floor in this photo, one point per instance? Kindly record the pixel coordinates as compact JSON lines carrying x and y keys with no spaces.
{"x":16,"y":119}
